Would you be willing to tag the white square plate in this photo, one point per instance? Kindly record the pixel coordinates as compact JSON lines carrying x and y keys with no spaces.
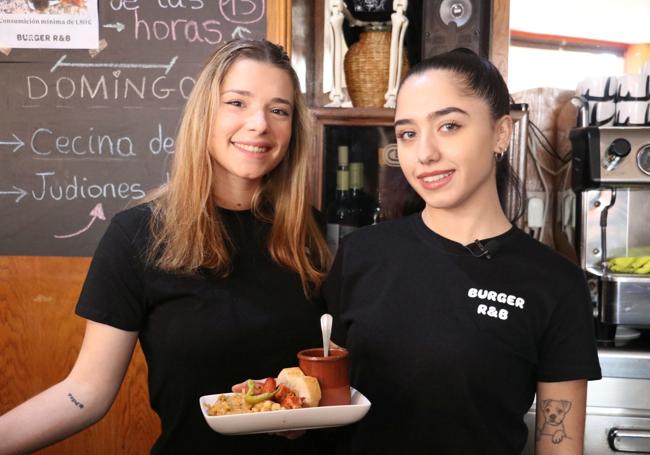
{"x":285,"y":420}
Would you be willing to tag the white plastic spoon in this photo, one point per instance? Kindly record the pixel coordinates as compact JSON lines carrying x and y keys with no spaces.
{"x":326,"y":329}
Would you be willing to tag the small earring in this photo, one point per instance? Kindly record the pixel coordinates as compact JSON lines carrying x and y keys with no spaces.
{"x":499,"y":156}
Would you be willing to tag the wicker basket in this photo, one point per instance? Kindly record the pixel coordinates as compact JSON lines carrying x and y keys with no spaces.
{"x":366,"y":66}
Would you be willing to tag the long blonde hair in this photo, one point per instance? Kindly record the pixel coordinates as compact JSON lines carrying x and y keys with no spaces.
{"x":187,"y":230}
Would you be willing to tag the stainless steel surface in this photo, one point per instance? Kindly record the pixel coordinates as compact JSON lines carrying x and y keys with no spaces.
{"x":624,"y":395}
{"x":625,"y":299}
{"x":627,"y":170}
{"x":624,"y":363}
{"x":592,"y":203}
{"x":627,"y":224}
{"x":635,"y":441}
{"x":583,"y":110}
{"x":613,"y":220}
{"x":643,"y":160}
{"x":618,"y":406}
{"x":604,"y":215}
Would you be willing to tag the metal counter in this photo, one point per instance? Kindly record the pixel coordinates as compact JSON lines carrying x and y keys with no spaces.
{"x":618,"y":406}
{"x":625,"y":362}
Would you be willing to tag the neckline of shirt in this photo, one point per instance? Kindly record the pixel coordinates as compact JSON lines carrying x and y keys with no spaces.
{"x":234,"y":211}
{"x":448,"y":246}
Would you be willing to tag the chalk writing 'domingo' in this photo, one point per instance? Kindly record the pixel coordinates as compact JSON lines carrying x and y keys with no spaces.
{"x":107,"y":88}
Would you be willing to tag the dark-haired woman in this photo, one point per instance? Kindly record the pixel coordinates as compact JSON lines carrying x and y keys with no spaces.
{"x":453,"y":317}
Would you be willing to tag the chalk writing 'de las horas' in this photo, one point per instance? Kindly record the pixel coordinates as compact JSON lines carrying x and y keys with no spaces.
{"x":191,"y":29}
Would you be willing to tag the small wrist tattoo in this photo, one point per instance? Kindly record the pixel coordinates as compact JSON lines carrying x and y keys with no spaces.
{"x":76,"y":402}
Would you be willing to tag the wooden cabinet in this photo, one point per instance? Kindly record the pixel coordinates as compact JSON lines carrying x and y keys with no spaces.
{"x":362,"y":130}
{"x":370,"y":137}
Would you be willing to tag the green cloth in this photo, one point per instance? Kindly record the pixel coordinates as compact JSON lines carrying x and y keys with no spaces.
{"x":630,"y":264}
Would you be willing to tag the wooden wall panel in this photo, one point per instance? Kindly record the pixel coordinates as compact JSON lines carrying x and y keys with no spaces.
{"x":500,"y":35}
{"x":278,"y":23}
{"x":40,"y":337}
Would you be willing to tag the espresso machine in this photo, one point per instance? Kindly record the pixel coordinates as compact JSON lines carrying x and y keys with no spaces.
{"x":611,"y":179}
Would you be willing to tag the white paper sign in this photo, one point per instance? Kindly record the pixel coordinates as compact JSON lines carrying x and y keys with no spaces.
{"x":49,"y":24}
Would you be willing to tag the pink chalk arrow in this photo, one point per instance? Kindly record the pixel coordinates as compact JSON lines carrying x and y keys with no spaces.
{"x":96,"y":212}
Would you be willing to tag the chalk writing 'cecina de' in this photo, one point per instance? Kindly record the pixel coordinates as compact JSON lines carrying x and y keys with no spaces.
{"x":45,"y":142}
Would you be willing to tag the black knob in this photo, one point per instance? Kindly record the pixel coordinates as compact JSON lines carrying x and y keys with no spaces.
{"x":620,"y":147}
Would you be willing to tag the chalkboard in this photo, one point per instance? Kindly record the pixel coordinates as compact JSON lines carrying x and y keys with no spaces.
{"x":84,"y":134}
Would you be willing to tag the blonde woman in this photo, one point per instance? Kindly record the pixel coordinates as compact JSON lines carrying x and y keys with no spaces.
{"x":214,"y":275}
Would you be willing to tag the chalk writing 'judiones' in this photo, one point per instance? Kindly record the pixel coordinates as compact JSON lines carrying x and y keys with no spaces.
{"x":80,"y":188}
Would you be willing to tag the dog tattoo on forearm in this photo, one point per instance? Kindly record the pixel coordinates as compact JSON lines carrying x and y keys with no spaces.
{"x":553,"y":425}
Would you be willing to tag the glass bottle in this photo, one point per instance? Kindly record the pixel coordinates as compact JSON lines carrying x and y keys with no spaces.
{"x":378,"y":214}
{"x":361,"y":204}
{"x":340,"y":217}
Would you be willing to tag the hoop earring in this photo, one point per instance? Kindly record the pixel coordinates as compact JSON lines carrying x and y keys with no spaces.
{"x":499,"y":156}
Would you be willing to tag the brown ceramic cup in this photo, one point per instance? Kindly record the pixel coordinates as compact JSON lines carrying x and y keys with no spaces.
{"x":331,"y":372}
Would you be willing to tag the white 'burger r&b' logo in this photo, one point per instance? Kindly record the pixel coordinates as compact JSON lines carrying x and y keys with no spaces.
{"x":500,"y":297}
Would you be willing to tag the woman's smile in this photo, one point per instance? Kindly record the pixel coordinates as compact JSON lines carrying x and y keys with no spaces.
{"x":248,"y":148}
{"x":435,"y":179}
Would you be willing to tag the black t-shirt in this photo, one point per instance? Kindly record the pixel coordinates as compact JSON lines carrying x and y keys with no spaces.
{"x":449,"y":347}
{"x":201,"y":334}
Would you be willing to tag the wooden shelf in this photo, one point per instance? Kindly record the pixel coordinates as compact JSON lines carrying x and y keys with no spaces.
{"x":328,"y":117}
{"x":354,"y":115}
